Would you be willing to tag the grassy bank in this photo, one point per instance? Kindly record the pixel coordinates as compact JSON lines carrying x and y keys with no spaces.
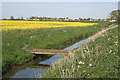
{"x":96,"y":59}
{"x":50,"y":38}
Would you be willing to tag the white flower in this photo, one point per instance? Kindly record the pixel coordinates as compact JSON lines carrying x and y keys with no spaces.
{"x":90,"y":64}
{"x":114,"y":53}
{"x":72,"y":66}
{"x":84,"y":71}
{"x":85,"y":50}
{"x":108,"y":39}
{"x":78,"y":66}
{"x":83,"y":63}
{"x":116,"y":43}
{"x":110,"y":51}
{"x":80,"y":62}
{"x":63,"y":71}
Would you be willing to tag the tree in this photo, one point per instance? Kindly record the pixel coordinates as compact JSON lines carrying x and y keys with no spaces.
{"x":115,"y":15}
{"x":85,"y":19}
{"x":41,"y":18}
{"x":12,"y":18}
{"x":88,"y":18}
{"x":32,"y":17}
{"x":80,"y":19}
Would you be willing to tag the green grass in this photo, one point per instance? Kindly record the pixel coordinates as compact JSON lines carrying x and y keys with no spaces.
{"x":52,"y":38}
{"x":96,"y":59}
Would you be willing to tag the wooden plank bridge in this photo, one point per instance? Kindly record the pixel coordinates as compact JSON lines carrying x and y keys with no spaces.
{"x":50,"y":51}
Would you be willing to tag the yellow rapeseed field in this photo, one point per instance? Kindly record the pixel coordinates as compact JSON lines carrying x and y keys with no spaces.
{"x":13,"y":25}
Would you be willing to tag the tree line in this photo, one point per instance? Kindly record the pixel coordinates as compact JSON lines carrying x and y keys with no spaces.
{"x":114,"y":15}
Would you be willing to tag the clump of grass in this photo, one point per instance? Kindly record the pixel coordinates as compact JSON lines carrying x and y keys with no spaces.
{"x":96,"y":59}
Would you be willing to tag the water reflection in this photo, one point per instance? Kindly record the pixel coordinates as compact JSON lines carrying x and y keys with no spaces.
{"x":55,"y":58}
{"x":30,"y":73}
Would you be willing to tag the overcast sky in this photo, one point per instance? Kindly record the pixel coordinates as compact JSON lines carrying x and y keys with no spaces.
{"x":60,"y":0}
{"x":58,"y":9}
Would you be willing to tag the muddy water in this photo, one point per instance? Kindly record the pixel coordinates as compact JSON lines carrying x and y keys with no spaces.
{"x":37,"y":67}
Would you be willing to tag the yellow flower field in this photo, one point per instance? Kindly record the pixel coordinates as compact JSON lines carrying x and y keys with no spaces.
{"x":13,"y":25}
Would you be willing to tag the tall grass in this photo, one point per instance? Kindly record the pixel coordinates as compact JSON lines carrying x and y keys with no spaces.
{"x":52,"y":38}
{"x":96,"y":59}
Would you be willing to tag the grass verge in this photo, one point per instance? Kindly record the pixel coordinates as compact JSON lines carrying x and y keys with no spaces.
{"x":96,"y":59}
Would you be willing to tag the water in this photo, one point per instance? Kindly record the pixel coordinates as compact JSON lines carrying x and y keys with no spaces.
{"x":37,"y":68}
{"x":54,"y":58}
{"x":29,"y":73}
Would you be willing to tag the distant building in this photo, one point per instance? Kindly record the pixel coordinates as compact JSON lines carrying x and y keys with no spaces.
{"x":30,"y":19}
{"x":101,"y":19}
{"x":51,"y":19}
{"x":61,"y":19}
{"x":36,"y":19}
{"x":91,"y":19}
{"x":95,"y":19}
{"x":57,"y":19}
{"x":113,"y":20}
{"x":77,"y":19}
{"x":66,"y":19}
{"x":71,"y":19}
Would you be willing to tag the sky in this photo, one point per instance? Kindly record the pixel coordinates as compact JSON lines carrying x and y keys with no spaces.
{"x":60,"y":0}
{"x":58,"y":9}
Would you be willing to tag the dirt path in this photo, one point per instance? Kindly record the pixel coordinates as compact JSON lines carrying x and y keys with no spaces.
{"x":101,"y":32}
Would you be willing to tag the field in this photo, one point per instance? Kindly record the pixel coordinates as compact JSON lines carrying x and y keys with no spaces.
{"x":13,"y":25}
{"x":96,"y":59}
{"x":40,"y":37}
